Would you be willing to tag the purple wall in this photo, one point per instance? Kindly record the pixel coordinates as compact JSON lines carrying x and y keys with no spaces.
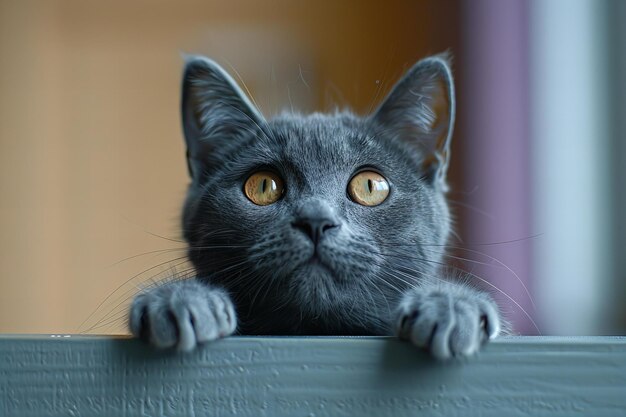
{"x":493,"y":108}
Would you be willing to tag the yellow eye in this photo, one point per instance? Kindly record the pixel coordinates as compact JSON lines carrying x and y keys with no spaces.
{"x":263,"y":188}
{"x":368,"y":188}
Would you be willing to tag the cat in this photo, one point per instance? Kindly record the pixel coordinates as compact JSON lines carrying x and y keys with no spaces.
{"x":320,"y":224}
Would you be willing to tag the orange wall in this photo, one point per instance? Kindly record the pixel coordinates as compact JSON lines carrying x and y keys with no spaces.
{"x":91,"y":154}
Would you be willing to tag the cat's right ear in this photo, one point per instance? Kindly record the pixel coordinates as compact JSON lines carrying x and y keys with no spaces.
{"x":215,"y":114}
{"x":419,"y":111}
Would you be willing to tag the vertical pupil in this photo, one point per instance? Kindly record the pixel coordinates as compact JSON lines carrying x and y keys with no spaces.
{"x":369,"y":185}
{"x":264,"y":185}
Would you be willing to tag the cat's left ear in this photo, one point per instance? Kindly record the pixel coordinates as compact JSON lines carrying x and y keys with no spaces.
{"x":420,"y":110}
{"x":216,"y":115}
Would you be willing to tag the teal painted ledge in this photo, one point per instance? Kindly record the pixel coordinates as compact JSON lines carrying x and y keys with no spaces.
{"x":317,"y":376}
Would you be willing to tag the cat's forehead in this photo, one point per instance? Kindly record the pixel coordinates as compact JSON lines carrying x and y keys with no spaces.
{"x":326,"y":141}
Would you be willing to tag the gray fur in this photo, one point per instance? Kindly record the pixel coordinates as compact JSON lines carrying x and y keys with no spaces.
{"x":182,"y":314}
{"x":448,"y":319}
{"x":376,"y":271}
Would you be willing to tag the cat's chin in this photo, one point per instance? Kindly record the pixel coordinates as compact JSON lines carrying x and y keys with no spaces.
{"x":314,"y":270}
{"x":318,"y":287}
{"x":317,"y":270}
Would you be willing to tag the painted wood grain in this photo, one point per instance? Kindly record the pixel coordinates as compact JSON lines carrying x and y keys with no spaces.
{"x":316,"y":376}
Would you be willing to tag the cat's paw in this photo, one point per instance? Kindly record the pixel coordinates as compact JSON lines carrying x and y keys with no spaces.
{"x":182,"y":314}
{"x":448,"y":320}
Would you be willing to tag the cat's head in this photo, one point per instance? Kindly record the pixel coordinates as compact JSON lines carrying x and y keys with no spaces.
{"x":322,"y":211}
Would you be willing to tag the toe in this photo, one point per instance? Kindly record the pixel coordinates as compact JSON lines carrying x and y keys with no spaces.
{"x":489,"y":320}
{"x":186,"y":333}
{"x":465,"y":338}
{"x":137,"y":321}
{"x":424,"y":329}
{"x":405,"y":323}
{"x":163,"y":329}
{"x":203,"y":322}
{"x":218,"y":307}
{"x":440,"y":343}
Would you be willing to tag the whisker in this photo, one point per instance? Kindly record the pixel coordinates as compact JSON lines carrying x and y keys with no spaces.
{"x":184,"y":260}
{"x":506,"y":242}
{"x":502,"y":264}
{"x":510,"y":299}
{"x":126,"y":282}
{"x":470,"y":207}
{"x":473,"y":251}
{"x":159,"y":251}
{"x":163,"y":237}
{"x":473,"y":275}
{"x":244,"y":85}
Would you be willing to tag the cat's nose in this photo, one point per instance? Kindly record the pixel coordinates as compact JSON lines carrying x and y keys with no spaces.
{"x":315,"y":228}
{"x":315,"y":218}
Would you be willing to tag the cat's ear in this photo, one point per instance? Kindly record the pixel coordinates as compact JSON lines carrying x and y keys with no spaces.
{"x":420,"y":111}
{"x":215,"y":114}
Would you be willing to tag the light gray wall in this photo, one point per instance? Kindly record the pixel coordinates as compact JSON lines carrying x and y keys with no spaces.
{"x":571,"y":146}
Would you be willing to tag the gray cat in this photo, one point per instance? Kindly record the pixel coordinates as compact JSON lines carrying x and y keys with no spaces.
{"x":324,"y":224}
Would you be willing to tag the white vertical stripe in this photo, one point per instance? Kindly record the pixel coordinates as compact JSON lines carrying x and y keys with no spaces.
{"x":570,"y":145}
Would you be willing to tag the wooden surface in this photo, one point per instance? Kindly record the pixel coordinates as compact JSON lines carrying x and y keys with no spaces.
{"x":319,"y":376}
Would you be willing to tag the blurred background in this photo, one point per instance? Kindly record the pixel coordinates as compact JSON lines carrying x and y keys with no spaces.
{"x":93,"y":174}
